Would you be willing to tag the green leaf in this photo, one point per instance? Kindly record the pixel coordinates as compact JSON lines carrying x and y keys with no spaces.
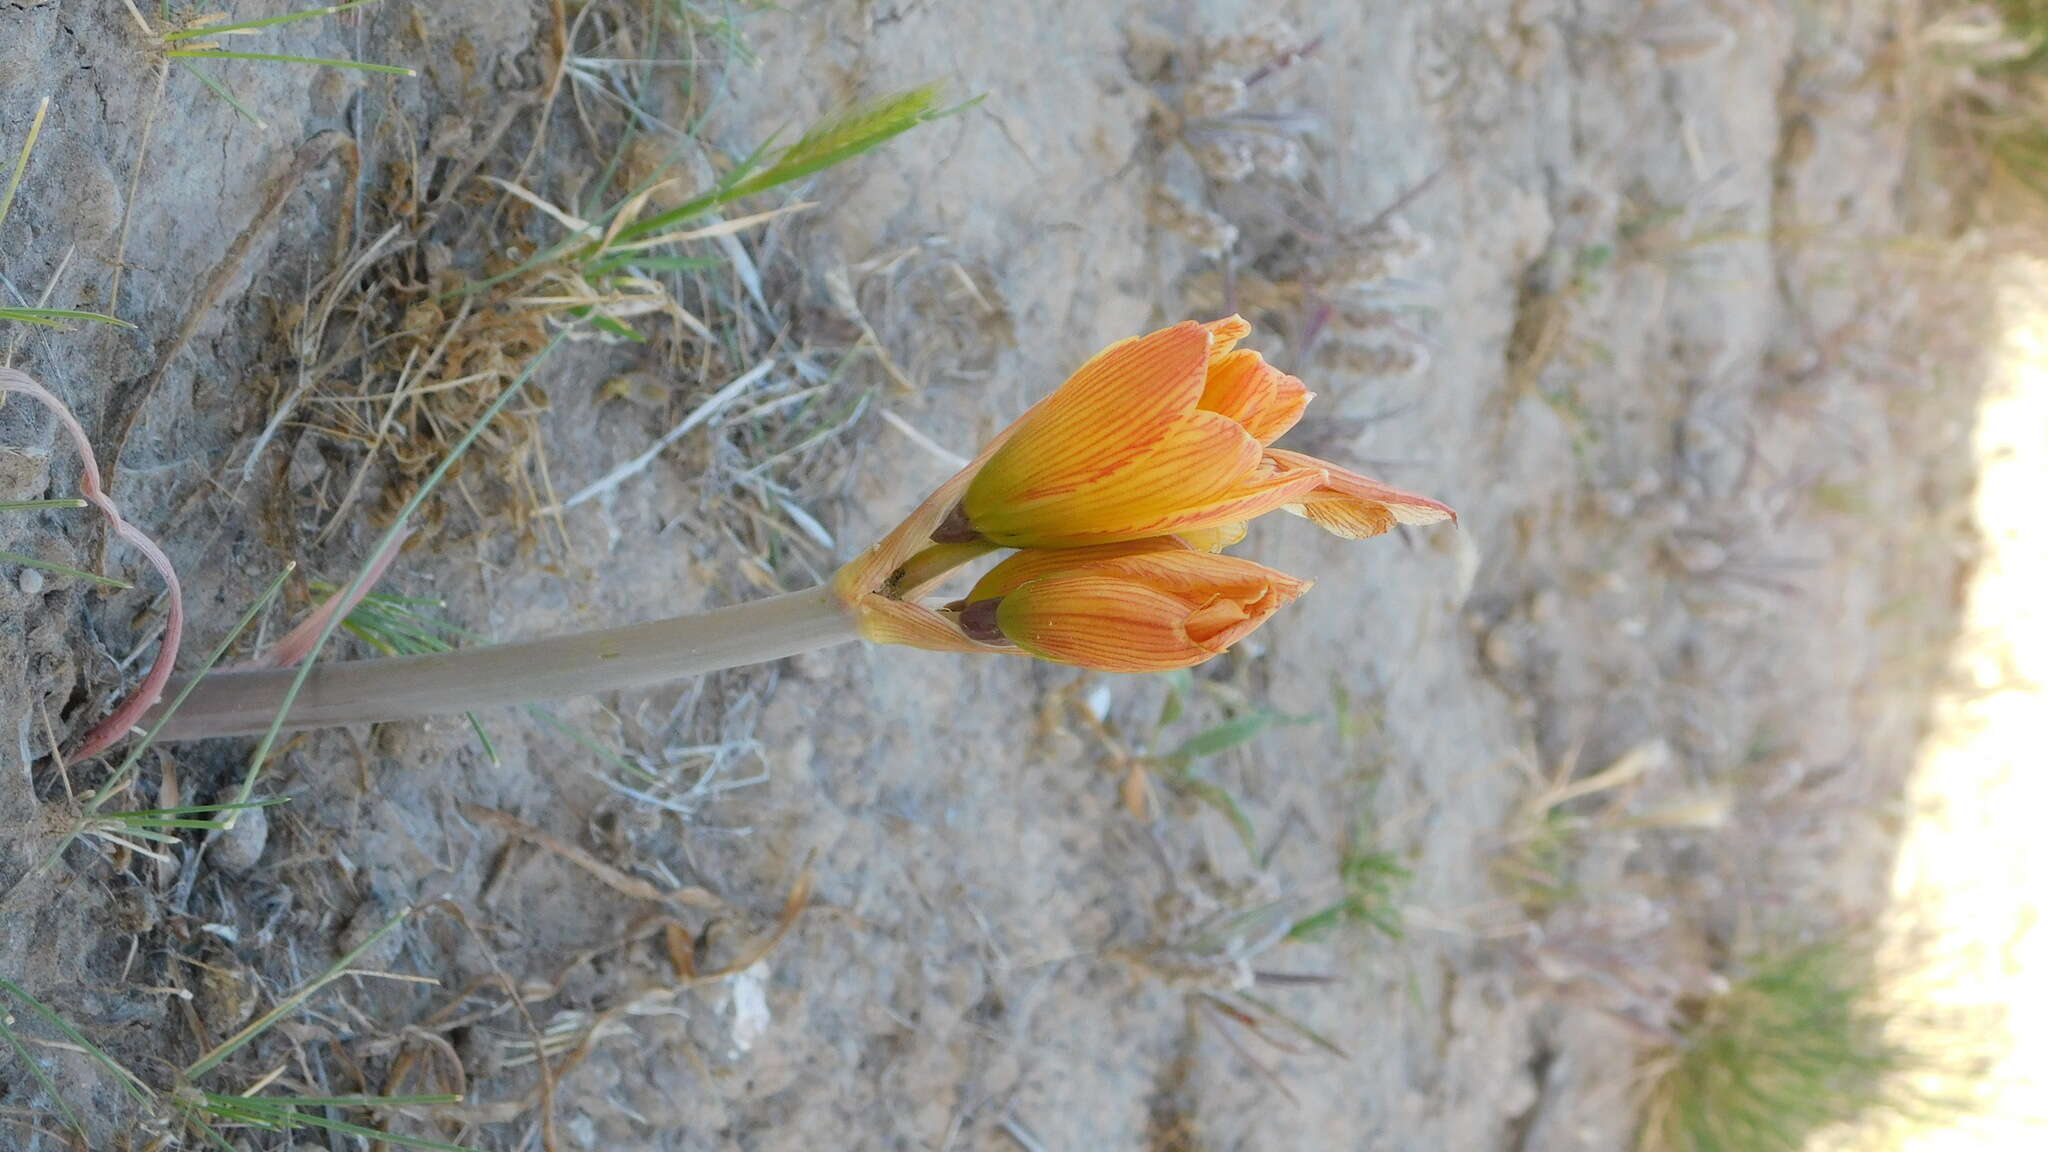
{"x":1180,"y":684}
{"x":1219,"y":798}
{"x":1316,"y":925}
{"x":1229,"y":734}
{"x":648,"y":262}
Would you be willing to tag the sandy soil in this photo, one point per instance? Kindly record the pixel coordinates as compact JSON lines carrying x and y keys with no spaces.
{"x":1651,"y":317}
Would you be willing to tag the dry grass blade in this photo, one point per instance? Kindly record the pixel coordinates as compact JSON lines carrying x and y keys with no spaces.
{"x":633,"y":886}
{"x":698,"y":415}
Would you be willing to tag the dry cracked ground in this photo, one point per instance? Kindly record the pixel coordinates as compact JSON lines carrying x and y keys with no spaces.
{"x":1641,"y":289}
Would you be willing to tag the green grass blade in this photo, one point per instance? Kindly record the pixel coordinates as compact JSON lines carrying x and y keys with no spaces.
{"x":1317,"y":924}
{"x":621,"y":763}
{"x":476,"y":726}
{"x":291,"y":1003}
{"x":1295,"y":1026}
{"x":35,"y":129}
{"x":173,"y":813}
{"x":36,"y":1070}
{"x":55,"y":317}
{"x":221,"y":90}
{"x":341,"y":1101}
{"x":136,"y":1089}
{"x":34,"y":505}
{"x":647,"y":262}
{"x":284,"y":1114}
{"x":212,"y":1137}
{"x":287,"y":1120}
{"x":287,"y":58}
{"x":75,"y":573}
{"x":266,"y":22}
{"x":834,"y":140}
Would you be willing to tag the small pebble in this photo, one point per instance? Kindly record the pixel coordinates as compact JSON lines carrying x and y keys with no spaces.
{"x":30,"y":582}
{"x":239,"y":848}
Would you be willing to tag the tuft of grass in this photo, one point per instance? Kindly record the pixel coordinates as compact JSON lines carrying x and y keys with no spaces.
{"x":1371,"y":880}
{"x":1797,"y":1044}
{"x":161,"y":825}
{"x":1180,"y":765}
{"x":1990,"y":63}
{"x":609,"y":268}
{"x":206,"y":1110}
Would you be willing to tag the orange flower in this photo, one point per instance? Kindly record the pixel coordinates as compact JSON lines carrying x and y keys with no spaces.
{"x":1142,"y":606}
{"x":1156,"y":435}
{"x":1119,"y":488}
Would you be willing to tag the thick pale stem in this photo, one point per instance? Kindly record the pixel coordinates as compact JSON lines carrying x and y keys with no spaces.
{"x":411,"y":687}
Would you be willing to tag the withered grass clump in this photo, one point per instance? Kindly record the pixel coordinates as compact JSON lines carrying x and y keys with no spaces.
{"x":475,"y":255}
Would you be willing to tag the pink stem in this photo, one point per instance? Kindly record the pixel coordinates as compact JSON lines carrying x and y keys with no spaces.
{"x":124,"y":716}
{"x":293,"y":645}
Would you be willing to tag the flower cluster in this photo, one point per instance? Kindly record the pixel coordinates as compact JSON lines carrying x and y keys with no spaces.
{"x":1118,"y":493}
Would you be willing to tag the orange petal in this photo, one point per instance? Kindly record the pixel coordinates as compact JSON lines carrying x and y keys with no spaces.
{"x":1257,"y":395}
{"x":1215,"y":618}
{"x":1144,"y":611}
{"x":1120,"y":404}
{"x":1101,"y":622}
{"x":1204,"y":460}
{"x":1225,"y":333}
{"x":1034,"y":563}
{"x":1354,"y":506}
